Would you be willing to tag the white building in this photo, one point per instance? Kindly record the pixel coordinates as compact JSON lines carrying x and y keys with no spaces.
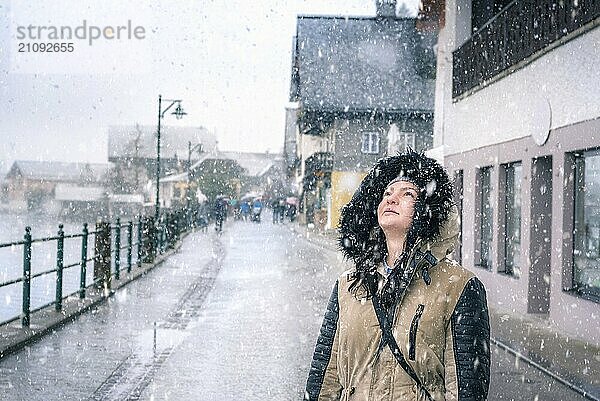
{"x":517,"y":122}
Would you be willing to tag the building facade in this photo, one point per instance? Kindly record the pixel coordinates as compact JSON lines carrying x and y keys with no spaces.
{"x":517,"y":123}
{"x":31,"y":185}
{"x":364,"y":89}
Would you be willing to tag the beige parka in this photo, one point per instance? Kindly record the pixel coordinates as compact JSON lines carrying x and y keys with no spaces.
{"x":442,"y":330}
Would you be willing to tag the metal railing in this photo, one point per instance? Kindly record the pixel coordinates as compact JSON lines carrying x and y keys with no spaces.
{"x":142,"y":237}
{"x":522,"y":29}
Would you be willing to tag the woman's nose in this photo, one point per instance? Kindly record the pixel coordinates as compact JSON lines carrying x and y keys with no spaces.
{"x":392,"y":199}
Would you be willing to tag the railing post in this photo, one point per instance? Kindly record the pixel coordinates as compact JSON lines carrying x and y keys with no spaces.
{"x":82,"y":276}
{"x":102,"y":256}
{"x":118,"y":249}
{"x":139,"y":241}
{"x":60,"y":246}
{"x":161,"y":233}
{"x":25,"y":317}
{"x":149,"y":240}
{"x":129,"y":244}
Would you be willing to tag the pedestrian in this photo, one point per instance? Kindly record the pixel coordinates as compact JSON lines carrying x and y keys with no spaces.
{"x":275,"y":207}
{"x":220,"y":211}
{"x":406,"y":322}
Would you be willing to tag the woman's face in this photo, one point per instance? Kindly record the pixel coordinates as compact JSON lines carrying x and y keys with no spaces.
{"x":396,"y":209}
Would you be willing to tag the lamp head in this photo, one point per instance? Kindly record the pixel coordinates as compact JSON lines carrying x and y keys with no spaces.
{"x":179,"y":113}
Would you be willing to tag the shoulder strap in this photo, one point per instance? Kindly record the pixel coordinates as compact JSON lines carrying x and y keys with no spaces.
{"x":388,"y":338}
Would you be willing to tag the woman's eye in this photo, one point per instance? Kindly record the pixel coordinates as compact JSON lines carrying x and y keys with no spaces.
{"x":410,"y":194}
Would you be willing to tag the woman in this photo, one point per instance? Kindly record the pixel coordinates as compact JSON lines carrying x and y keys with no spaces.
{"x":407,"y":322}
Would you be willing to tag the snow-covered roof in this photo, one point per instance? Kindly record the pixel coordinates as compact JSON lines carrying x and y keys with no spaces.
{"x":361,"y":64}
{"x":255,"y":164}
{"x":139,"y":141}
{"x":59,"y":171}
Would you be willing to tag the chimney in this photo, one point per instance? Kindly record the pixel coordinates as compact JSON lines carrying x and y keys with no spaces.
{"x":432,"y":15}
{"x":386,"y":8}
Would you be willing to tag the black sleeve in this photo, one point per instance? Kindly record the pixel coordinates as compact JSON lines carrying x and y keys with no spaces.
{"x":471,"y":334}
{"x":323,"y":351}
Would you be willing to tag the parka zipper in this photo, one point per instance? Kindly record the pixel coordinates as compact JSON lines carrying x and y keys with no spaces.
{"x":412,"y":339}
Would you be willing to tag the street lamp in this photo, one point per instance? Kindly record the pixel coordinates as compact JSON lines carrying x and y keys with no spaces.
{"x":179,"y":113}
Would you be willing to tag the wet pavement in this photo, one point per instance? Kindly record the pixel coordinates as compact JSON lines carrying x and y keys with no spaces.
{"x":229,"y":317}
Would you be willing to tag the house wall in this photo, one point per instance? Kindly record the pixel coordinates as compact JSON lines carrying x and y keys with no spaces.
{"x":343,"y":185}
{"x":350,"y":165}
{"x":21,"y":189}
{"x":555,"y":93}
{"x":308,"y":145}
{"x":555,"y":90}
{"x":568,"y":312}
{"x":348,"y":140}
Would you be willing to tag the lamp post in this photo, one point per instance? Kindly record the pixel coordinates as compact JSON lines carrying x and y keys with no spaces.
{"x":179,"y":113}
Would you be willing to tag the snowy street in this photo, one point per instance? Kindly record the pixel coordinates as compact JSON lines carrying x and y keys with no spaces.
{"x":229,"y":317}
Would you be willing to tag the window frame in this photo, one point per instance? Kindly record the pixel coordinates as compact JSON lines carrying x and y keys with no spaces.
{"x":507,"y":199}
{"x":578,"y":163}
{"x":370,"y":142}
{"x":483,"y":245}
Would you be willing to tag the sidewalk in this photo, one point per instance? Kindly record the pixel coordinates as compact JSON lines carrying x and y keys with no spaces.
{"x":571,"y":359}
{"x":13,"y":336}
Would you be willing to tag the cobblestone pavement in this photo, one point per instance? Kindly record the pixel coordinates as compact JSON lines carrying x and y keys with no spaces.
{"x":230,"y":317}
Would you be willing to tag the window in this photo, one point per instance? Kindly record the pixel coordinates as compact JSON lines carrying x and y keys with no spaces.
{"x":485,"y":217}
{"x":458,"y":200}
{"x":370,"y":142}
{"x":400,"y":141}
{"x":586,"y":224}
{"x":512,"y":218}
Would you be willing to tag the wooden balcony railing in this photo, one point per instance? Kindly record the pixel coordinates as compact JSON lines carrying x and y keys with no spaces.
{"x":522,"y":29}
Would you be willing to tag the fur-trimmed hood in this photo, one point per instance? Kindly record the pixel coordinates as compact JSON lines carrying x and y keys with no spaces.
{"x":435,"y":223}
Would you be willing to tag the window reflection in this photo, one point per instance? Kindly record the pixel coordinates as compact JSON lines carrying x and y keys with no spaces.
{"x":586,"y":247}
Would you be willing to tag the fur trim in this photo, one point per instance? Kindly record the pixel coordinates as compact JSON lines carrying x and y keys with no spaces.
{"x":360,"y":237}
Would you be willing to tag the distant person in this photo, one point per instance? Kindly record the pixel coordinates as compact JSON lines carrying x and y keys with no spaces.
{"x":275,"y":207}
{"x":220,"y":213}
{"x":291,"y":212}
{"x":406,"y":323}
{"x":281,"y":209}
{"x":257,"y":207}
{"x":245,"y":209}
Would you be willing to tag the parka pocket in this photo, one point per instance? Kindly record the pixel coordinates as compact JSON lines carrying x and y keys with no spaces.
{"x":412,"y":337}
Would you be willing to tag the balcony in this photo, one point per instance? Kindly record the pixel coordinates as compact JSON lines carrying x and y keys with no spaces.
{"x":317,"y":167}
{"x":522,"y":29}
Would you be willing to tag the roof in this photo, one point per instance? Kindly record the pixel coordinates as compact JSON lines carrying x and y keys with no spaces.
{"x":59,"y":171}
{"x":255,"y":164}
{"x":362,"y":63}
{"x":122,"y":141}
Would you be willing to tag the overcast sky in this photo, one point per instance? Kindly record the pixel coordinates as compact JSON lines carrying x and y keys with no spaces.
{"x":229,"y":61}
